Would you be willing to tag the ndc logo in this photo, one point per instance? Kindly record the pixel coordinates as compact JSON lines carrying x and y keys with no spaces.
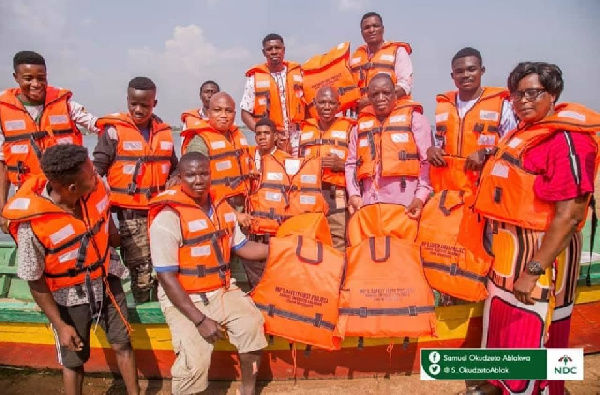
{"x":565,"y":366}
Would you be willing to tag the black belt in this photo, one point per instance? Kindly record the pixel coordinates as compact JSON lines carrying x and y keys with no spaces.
{"x":129,"y":213}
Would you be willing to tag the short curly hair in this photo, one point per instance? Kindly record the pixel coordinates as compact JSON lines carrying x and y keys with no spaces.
{"x":61,"y":163}
{"x":28,"y":57}
{"x":550,"y":76}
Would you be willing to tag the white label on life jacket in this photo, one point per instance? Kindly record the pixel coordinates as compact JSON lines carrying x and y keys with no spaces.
{"x":307,"y":199}
{"x":62,"y":234}
{"x":128,"y":169}
{"x":20,"y":204}
{"x":263,"y":84}
{"x":571,"y":114}
{"x":102,"y":204}
{"x":308,"y":179}
{"x":363,"y":143}
{"x":69,"y":256}
{"x":165,"y":168}
{"x":398,"y":118}
{"x":230,"y":217}
{"x":197,"y":225}
{"x":340,"y":153}
{"x":273,"y":196}
{"x":243,"y":141}
{"x":166,"y":145}
{"x":338,"y":134}
{"x":365,"y":125}
{"x":307,"y":152}
{"x":387,"y":57}
{"x":341,"y":45}
{"x":200,"y":251}
{"x":297,"y":78}
{"x":10,"y":126}
{"x":299,"y":94}
{"x":132,"y":145}
{"x":58,"y":119}
{"x":486,"y":140}
{"x":354,"y":61}
{"x":19,"y":149}
{"x":400,"y":137}
{"x":489,"y":115}
{"x":292,"y":166}
{"x":443,"y":117}
{"x":514,"y":142}
{"x":223,"y":165}
{"x":274,"y":176}
{"x":306,"y":136}
{"x":262,"y":101}
{"x":64,"y":140}
{"x":217,"y":144}
{"x":500,"y":170}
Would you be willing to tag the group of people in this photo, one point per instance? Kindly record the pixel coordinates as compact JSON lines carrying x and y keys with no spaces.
{"x":525,"y":163}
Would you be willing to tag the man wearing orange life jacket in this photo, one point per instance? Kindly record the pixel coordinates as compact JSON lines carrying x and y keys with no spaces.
{"x":469,"y":123}
{"x":327,"y":138}
{"x":266,"y":144}
{"x":535,"y":188}
{"x":387,"y":160}
{"x":274,"y":90}
{"x":62,"y":224}
{"x":33,"y":117}
{"x":193,"y":236}
{"x":193,"y":118}
{"x":136,"y":155}
{"x":379,"y":56}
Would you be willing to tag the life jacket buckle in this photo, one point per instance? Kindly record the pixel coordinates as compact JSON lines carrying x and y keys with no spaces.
{"x":72,"y":272}
{"x":200,"y":270}
{"x":412,"y":311}
{"x":362,"y":312}
{"x":131,"y":188}
{"x":271,"y":310}
{"x":402,"y":155}
{"x":318,"y":320}
{"x":367,"y":66}
{"x":453,"y":269}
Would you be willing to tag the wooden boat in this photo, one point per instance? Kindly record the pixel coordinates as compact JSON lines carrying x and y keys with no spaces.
{"x":26,"y":339}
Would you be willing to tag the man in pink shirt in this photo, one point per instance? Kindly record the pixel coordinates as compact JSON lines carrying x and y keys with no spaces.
{"x":387,"y":152}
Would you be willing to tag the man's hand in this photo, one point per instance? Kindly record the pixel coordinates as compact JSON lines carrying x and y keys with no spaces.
{"x":4,"y":224}
{"x":435,"y":156}
{"x":283,"y":141}
{"x":414,"y":209}
{"x":68,"y":337}
{"x":244,"y":219}
{"x":333,"y":162}
{"x":211,"y":331}
{"x":354,"y":204}
{"x":475,"y":160}
{"x":523,"y":288}
{"x":254,"y":174}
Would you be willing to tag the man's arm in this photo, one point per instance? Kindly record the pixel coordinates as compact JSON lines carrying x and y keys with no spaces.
{"x":248,"y":120}
{"x":404,"y":71}
{"x":114,"y":238}
{"x":253,"y":251}
{"x":350,"y":168}
{"x":422,"y":132}
{"x":247,"y":104}
{"x":82,"y":117}
{"x":4,"y":188}
{"x":508,"y":121}
{"x":105,"y":151}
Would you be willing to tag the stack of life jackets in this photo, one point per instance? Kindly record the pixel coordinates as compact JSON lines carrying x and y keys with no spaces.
{"x":204,"y":256}
{"x":285,"y":189}
{"x":391,"y":144}
{"x":330,"y":69}
{"x":141,"y":168}
{"x":451,"y":238}
{"x":385,"y":293}
{"x":476,"y":130}
{"x":77,"y":250}
{"x":298,"y":293}
{"x":230,"y":162}
{"x":26,"y":139}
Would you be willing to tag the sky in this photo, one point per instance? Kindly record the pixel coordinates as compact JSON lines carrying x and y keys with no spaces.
{"x":95,"y":47}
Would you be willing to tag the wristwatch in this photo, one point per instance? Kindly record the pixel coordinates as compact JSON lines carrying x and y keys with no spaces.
{"x":535,"y":268}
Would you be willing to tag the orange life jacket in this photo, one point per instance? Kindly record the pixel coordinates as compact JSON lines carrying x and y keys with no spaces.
{"x":315,"y":142}
{"x":385,"y":293}
{"x":193,"y":120}
{"x":478,"y":129}
{"x":230,"y":160}
{"x":285,"y":189}
{"x":73,"y":247}
{"x":266,"y":94}
{"x":25,"y":139}
{"x":304,"y":310}
{"x":454,"y":260}
{"x":390,"y":145}
{"x":506,"y":188}
{"x":140,"y":169}
{"x":280,"y":155}
{"x":204,"y":254}
{"x":330,"y":69}
{"x":382,"y":61}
